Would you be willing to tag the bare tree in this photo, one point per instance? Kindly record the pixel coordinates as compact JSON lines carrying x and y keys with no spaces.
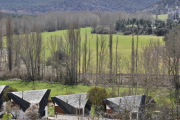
{"x":38,"y":51}
{"x":30,"y":53}
{"x":89,"y":67}
{"x":9,"y":34}
{"x":72,"y":51}
{"x":172,"y":56}
{"x":132,"y":55}
{"x":116,"y":61}
{"x":97,"y":54}
{"x":102,"y":56}
{"x":110,"y":53}
{"x":111,"y":59}
{"x":152,"y":70}
{"x":66,"y":55}
{"x":103,"y":62}
{"x":1,"y":40}
{"x":78,"y":37}
{"x":85,"y":55}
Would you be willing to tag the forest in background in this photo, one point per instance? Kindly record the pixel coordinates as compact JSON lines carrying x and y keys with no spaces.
{"x":46,"y":6}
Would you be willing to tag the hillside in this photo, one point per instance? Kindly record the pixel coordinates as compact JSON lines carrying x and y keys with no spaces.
{"x":44,"y":6}
{"x":162,"y":6}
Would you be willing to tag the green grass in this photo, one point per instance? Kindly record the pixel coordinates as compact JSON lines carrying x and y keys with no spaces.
{"x":56,"y":88}
{"x":162,"y":17}
{"x":124,"y":41}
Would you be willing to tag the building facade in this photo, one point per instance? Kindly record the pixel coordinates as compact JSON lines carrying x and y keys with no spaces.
{"x":173,"y":13}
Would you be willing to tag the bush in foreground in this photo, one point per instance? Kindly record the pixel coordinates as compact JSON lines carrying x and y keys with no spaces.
{"x":96,"y":95}
{"x":7,"y":90}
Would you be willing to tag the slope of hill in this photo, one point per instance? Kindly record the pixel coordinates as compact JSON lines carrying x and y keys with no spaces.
{"x":44,"y":6}
{"x":162,"y":6}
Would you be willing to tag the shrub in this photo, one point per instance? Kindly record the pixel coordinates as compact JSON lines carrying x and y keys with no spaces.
{"x":150,"y":103}
{"x":6,"y":116}
{"x":102,"y":30}
{"x":93,"y":31}
{"x":9,"y":75}
{"x":96,"y":95}
{"x":7,"y":90}
{"x":127,"y":33}
{"x":160,"y":31}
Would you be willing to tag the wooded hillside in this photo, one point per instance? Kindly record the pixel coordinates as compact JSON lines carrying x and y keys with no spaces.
{"x":162,"y":6}
{"x":44,"y":6}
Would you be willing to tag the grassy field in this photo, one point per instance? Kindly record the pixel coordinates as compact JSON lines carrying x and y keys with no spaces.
{"x":124,"y":41}
{"x":162,"y":17}
{"x":58,"y":88}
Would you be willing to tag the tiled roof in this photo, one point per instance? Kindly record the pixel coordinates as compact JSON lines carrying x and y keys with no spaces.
{"x":25,"y":98}
{"x":31,"y":96}
{"x":75,"y":100}
{"x":2,"y":87}
{"x":130,"y":103}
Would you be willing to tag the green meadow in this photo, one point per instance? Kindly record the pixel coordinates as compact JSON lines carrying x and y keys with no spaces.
{"x":162,"y":17}
{"x":56,"y":88}
{"x":124,"y":41}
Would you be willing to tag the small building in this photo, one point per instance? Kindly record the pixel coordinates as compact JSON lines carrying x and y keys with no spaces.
{"x":76,"y":104}
{"x":2,"y":88}
{"x":24,"y":99}
{"x":173,"y":13}
{"x":131,"y":107}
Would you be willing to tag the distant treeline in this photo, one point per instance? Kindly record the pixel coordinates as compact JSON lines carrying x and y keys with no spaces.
{"x":125,"y":26}
{"x":61,"y":20}
{"x":145,"y":27}
{"x":45,"y":6}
